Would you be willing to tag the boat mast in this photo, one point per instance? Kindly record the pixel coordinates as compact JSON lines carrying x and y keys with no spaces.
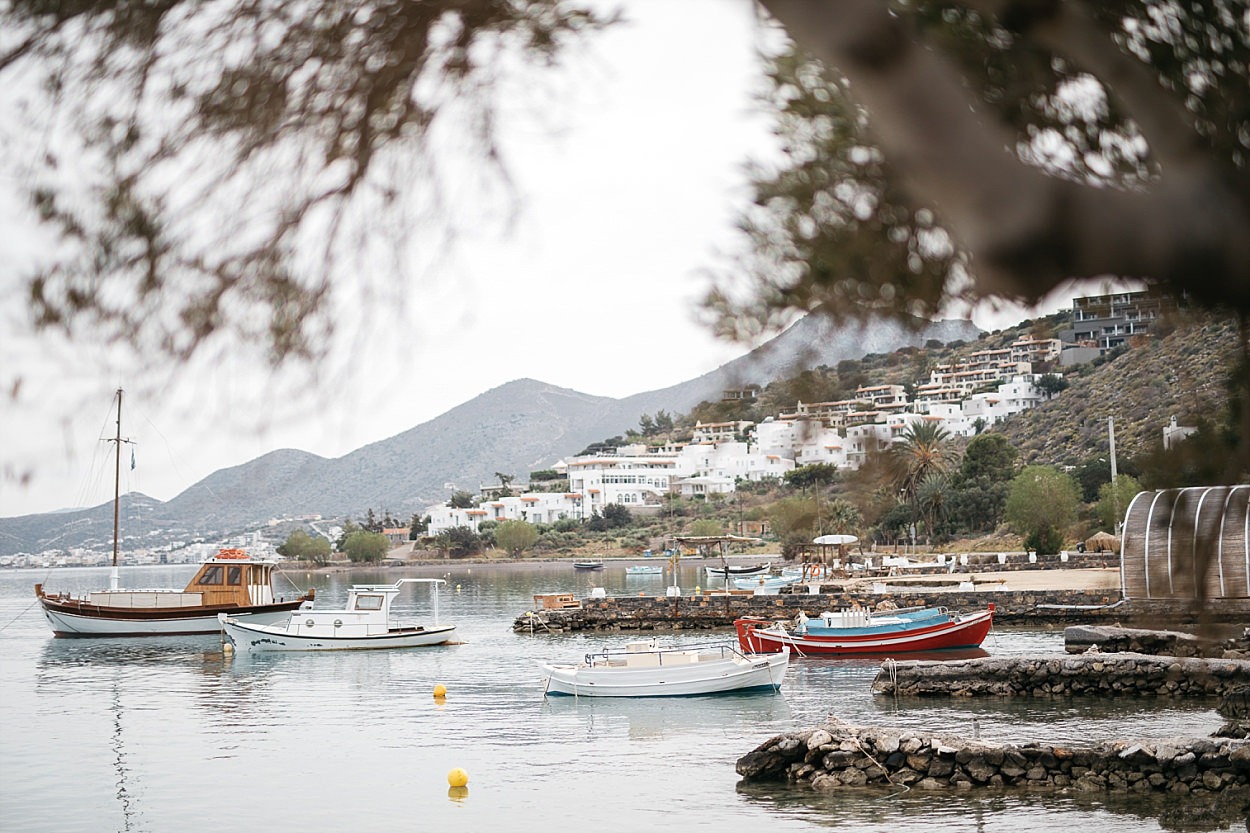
{"x":117,"y":488}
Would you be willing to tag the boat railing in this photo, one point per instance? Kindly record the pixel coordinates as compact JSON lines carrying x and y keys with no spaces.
{"x":608,"y":656}
{"x":897,"y":611}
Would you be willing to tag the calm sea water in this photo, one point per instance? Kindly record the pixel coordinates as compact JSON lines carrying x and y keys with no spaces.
{"x":170,"y":735}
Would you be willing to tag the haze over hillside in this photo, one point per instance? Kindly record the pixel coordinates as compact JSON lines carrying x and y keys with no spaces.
{"x":516,"y":428}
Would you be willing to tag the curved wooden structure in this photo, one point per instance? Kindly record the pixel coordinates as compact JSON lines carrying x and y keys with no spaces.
{"x":1187,"y":544}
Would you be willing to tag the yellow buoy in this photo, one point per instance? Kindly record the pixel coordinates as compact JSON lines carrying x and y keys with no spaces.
{"x":458,"y":777}
{"x":440,"y":690}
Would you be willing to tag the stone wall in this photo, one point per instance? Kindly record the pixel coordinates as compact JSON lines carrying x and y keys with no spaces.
{"x":1091,"y":674}
{"x":836,"y":755}
{"x":1060,"y":607}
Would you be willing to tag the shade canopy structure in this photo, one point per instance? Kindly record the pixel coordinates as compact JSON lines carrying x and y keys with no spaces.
{"x":1102,"y":542}
{"x":834,"y":540}
{"x":1187,"y":543}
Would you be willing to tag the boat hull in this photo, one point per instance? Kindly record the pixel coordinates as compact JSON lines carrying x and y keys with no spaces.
{"x":968,"y":631}
{"x":733,"y":572}
{"x":765,"y":586}
{"x":252,"y":637}
{"x":76,"y":619}
{"x":748,"y":673}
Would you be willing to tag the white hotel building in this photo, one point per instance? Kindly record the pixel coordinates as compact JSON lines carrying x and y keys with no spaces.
{"x":633,"y":477}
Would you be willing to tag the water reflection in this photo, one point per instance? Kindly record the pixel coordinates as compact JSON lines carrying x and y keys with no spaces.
{"x":125,"y":790}
{"x":657,"y":718}
{"x":1017,"y":810}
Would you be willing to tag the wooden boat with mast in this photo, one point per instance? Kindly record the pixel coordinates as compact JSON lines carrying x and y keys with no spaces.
{"x":229,"y":582}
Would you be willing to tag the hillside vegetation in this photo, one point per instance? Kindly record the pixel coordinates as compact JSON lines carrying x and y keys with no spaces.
{"x":1183,"y":373}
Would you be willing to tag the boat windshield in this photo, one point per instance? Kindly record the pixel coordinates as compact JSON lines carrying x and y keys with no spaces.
{"x":234,"y":575}
{"x":369,"y":602}
{"x":212,"y":575}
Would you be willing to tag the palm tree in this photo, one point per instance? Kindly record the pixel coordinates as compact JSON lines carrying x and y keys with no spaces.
{"x":923,"y":449}
{"x":931,"y":494}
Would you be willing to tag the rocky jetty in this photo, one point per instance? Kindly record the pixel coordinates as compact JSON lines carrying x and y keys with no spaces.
{"x":837,"y":755}
{"x":1088,"y":675}
{"x":1235,"y":709}
{"x":1112,"y":639}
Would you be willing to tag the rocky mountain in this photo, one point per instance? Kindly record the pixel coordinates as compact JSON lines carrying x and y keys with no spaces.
{"x":516,"y":428}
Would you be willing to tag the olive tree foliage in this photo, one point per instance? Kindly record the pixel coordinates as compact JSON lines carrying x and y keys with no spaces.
{"x":992,"y":150}
{"x":1042,"y":503}
{"x":365,"y":546}
{"x":217,"y":169}
{"x":515,"y":537}
{"x":301,"y":546}
{"x":705,"y":527}
{"x":794,"y":521}
{"x":1114,"y":499}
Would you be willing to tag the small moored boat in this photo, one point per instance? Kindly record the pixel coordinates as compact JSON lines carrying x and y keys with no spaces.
{"x":864,"y":632}
{"x":644,"y":570}
{"x":363,"y":624}
{"x":764,"y":585}
{"x":737,"y":570}
{"x":644,"y":669}
{"x":587,"y":565}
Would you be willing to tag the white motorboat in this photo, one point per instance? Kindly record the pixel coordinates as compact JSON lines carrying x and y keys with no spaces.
{"x":644,"y":570}
{"x":765,"y":585}
{"x":644,"y":669}
{"x":363,"y":624}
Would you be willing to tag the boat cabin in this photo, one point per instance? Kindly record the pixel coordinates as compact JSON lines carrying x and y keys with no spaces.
{"x":366,"y":613}
{"x":231,"y":577}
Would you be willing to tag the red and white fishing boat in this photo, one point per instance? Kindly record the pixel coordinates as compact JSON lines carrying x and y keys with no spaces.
{"x":865,"y":632}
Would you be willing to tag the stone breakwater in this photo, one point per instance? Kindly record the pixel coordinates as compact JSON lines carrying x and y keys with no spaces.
{"x":690,"y":612}
{"x":1107,"y":639}
{"x":836,"y":755}
{"x":1084,"y":675}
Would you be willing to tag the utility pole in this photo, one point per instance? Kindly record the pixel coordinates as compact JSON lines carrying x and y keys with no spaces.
{"x":1115,"y":495}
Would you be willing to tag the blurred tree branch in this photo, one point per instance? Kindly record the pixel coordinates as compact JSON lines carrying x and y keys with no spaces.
{"x":1029,"y":231}
{"x":221,"y":169}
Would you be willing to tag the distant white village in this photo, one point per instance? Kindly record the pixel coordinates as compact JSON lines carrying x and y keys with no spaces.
{"x":720,"y":455}
{"x":964,"y":398}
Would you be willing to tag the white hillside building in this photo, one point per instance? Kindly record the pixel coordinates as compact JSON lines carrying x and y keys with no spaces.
{"x":633,"y":477}
{"x":534,"y":507}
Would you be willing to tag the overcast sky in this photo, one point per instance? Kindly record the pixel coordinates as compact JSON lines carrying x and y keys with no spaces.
{"x":624,"y":194}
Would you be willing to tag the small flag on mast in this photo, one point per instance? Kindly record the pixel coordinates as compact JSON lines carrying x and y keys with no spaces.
{"x":132,"y":459}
